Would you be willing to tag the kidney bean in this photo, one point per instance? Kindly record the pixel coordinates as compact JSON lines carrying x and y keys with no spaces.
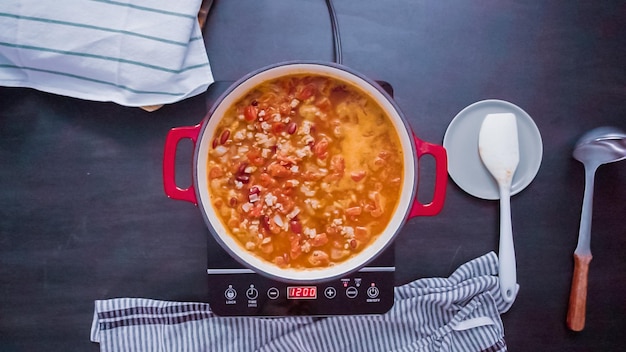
{"x":215,"y":143}
{"x":243,"y":178}
{"x":265,"y":221}
{"x":295,"y":226}
{"x":357,"y":175}
{"x":292,"y":127}
{"x":242,"y":168}
{"x":224,"y":136}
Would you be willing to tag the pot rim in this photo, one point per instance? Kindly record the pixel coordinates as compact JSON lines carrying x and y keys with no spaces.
{"x":410,"y":180}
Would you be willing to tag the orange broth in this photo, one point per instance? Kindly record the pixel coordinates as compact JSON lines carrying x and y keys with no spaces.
{"x":305,"y":171}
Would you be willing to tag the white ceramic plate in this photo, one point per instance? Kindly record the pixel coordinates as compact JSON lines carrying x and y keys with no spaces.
{"x":461,"y":142}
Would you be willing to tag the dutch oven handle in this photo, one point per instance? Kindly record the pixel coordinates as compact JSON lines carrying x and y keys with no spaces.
{"x":174,"y":136}
{"x":441,"y":178}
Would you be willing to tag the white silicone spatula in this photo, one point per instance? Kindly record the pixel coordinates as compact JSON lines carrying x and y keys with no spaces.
{"x":499,"y":150}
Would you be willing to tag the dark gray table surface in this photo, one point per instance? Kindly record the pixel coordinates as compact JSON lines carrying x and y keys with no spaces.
{"x":83,"y":215}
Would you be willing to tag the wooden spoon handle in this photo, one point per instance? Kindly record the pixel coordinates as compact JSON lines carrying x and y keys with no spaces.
{"x":578,"y":293}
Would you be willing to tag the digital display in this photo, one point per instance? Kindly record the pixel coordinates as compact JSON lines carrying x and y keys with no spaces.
{"x":301,"y":292}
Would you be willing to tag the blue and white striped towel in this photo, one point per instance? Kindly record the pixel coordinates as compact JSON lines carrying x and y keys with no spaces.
{"x":460,"y":313}
{"x":132,"y":52}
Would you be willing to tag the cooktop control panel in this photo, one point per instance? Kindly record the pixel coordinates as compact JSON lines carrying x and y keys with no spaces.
{"x":240,"y":292}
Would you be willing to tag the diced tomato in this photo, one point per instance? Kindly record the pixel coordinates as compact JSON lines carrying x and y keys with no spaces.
{"x":234,"y":223}
{"x":337,"y":166}
{"x":256,"y":209}
{"x":278,"y":127}
{"x":281,"y":261}
{"x":250,"y":113}
{"x":266,"y":180}
{"x":284,"y":108}
{"x":255,"y":158}
{"x":312,"y":175}
{"x":323,"y":103}
{"x":287,"y":201}
{"x":306,"y":92}
{"x":320,"y":149}
{"x":319,"y":258}
{"x":376,"y":212}
{"x":274,"y":228}
{"x":354,"y":211}
{"x":361,"y":233}
{"x":215,"y":172}
{"x":319,"y":240}
{"x":295,"y":248}
{"x":278,"y":170}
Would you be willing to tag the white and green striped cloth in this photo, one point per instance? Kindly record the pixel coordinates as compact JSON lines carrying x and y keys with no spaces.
{"x":460,"y":313}
{"x":132,"y":52}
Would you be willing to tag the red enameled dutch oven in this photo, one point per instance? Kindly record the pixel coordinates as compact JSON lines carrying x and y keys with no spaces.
{"x":202,"y":135}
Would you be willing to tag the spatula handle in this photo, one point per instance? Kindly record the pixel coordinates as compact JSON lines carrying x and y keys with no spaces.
{"x":506,"y":252}
{"x":578,"y":294}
